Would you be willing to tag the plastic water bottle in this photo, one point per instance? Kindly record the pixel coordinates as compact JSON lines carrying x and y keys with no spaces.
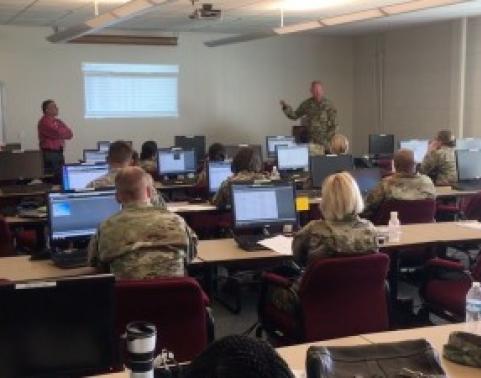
{"x":394,"y":227}
{"x":275,"y":173}
{"x":473,"y":303}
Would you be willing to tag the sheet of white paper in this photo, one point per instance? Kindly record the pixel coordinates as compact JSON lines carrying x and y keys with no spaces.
{"x":299,"y":373}
{"x":190,"y":207}
{"x":280,"y":244}
{"x":475,"y":225}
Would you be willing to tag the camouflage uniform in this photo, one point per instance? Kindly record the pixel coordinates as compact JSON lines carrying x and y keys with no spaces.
{"x":321,"y":121}
{"x":321,"y":238}
{"x":222,"y":197}
{"x":142,"y":241}
{"x":399,"y":186}
{"x":149,"y":166}
{"x":440,"y":165}
{"x":108,"y":181}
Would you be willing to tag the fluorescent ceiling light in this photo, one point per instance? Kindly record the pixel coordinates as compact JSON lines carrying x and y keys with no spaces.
{"x":119,"y":14}
{"x":298,"y":27}
{"x":302,"y":5}
{"x":352,"y":17}
{"x":415,"y":5}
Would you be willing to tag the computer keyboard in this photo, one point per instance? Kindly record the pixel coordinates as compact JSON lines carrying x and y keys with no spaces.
{"x":250,"y":242}
{"x":72,"y":258}
{"x":178,"y":182}
{"x":468,"y":185}
{"x":25,"y":189}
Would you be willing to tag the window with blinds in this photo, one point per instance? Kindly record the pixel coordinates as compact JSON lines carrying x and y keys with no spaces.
{"x":130,"y":90}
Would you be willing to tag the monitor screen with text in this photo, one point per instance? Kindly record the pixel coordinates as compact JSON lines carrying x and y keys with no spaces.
{"x":218,"y":171}
{"x":176,"y":162}
{"x":273,"y":141}
{"x":95,"y":156}
{"x":418,"y":146}
{"x":263,"y":205}
{"x":468,"y":163}
{"x":78,"y":215}
{"x":78,"y":176}
{"x":294,"y":157}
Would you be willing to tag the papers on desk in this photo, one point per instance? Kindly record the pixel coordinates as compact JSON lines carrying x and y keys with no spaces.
{"x":280,"y":244}
{"x":470,"y":224}
{"x":190,"y":207}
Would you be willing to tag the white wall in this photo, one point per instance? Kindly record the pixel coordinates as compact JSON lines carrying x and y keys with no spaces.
{"x":230,"y":94}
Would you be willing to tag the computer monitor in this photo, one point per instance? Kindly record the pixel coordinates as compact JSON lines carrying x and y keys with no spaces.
{"x":95,"y":156}
{"x":21,"y":165}
{"x":63,"y":328}
{"x":418,"y":146}
{"x":293,"y":158}
{"x":196,"y":143}
{"x":468,"y":144}
{"x":381,"y":144}
{"x":263,"y":205}
{"x":103,"y":145}
{"x":176,"y":162}
{"x":366,"y":179}
{"x":273,"y":141}
{"x":217,"y":172}
{"x":231,"y":150}
{"x":78,"y":176}
{"x":74,"y":216}
{"x":468,"y":163}
{"x":322,"y":166}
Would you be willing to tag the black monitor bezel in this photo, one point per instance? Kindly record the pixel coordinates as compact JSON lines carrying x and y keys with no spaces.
{"x":181,"y":173}
{"x":303,"y":169}
{"x":371,"y":141}
{"x":318,"y":157}
{"x":78,"y":165}
{"x":273,"y":155}
{"x":224,"y":162}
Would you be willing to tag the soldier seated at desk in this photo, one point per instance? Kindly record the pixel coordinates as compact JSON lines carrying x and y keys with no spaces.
{"x":341,"y":233}
{"x":121,"y":156}
{"x":246,"y":166}
{"x":405,"y":184}
{"x":141,"y":241}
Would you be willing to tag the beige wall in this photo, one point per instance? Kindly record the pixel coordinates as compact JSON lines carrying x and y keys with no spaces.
{"x":229,"y":94}
{"x":417,"y":71}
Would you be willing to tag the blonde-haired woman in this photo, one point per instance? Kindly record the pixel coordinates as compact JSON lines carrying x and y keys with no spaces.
{"x":341,"y":233}
{"x":338,"y":145}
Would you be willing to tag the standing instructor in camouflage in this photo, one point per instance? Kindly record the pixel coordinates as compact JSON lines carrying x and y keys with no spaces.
{"x":321,"y":118}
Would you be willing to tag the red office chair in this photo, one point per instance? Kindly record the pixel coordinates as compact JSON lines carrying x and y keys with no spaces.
{"x":337,"y":297}
{"x":178,"y":308}
{"x":446,"y":286}
{"x":6,"y":241}
{"x":409,"y":211}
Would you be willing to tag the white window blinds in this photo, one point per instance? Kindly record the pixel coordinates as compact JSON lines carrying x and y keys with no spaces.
{"x":130,"y":90}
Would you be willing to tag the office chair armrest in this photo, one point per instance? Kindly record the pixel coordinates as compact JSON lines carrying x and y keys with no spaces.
{"x":447,"y":265}
{"x":275,"y":279}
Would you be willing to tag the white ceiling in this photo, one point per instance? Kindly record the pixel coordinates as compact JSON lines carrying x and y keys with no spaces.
{"x":239,"y":16}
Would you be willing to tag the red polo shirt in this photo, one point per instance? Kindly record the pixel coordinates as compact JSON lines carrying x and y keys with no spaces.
{"x":52,"y":133}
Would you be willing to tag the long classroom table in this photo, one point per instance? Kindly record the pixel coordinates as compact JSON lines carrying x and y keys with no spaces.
{"x":295,"y":355}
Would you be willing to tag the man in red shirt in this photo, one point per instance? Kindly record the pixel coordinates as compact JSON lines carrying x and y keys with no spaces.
{"x":52,"y":133}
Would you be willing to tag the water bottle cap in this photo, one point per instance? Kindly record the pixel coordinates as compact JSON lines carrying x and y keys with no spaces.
{"x":393,"y":214}
{"x":476,"y":284}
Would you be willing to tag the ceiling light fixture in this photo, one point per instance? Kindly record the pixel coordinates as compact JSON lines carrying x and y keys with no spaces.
{"x":415,"y":5}
{"x":352,"y":17}
{"x":119,"y":14}
{"x":295,"y":28}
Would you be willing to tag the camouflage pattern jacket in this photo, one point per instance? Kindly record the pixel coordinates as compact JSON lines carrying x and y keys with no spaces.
{"x":142,"y":241}
{"x":222,"y":197}
{"x":440,"y":165}
{"x":108,"y":181}
{"x":399,"y":186}
{"x":149,"y":166}
{"x":322,"y":238}
{"x":321,"y":120}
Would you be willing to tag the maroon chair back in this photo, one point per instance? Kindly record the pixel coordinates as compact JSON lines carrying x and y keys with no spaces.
{"x":6,"y":241}
{"x":472,"y":209}
{"x":344,"y":296}
{"x":177,"y":307}
{"x":409,"y":211}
